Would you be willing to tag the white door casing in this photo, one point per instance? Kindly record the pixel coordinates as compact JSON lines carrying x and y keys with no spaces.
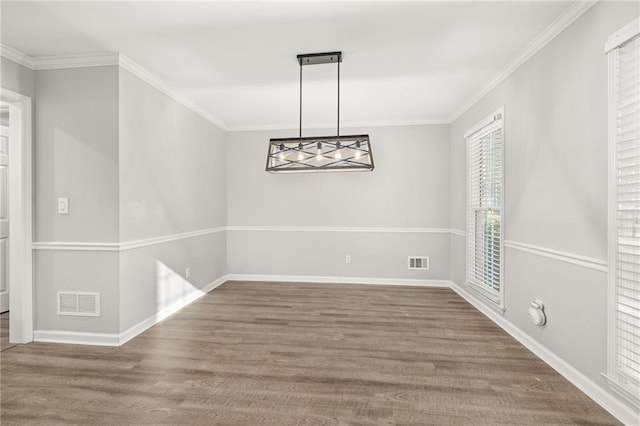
{"x":21,"y":214}
{"x":4,"y":218}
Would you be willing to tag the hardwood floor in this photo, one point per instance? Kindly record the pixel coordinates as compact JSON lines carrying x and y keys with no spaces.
{"x":299,"y":354}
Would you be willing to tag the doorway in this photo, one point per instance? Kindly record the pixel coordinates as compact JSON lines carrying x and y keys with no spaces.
{"x":16,"y":218}
{"x":4,"y":227}
{"x":4,"y":207}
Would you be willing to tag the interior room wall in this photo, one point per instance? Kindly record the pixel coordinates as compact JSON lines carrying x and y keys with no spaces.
{"x":145,"y":179}
{"x":17,"y":78}
{"x":379,"y":218}
{"x":172,"y":184}
{"x":76,"y":156}
{"x":134,"y":163}
{"x":555,"y":188}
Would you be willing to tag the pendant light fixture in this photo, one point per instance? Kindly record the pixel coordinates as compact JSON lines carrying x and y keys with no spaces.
{"x":325,"y":153}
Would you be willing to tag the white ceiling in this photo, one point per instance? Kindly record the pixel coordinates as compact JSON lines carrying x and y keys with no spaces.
{"x":404,"y":62}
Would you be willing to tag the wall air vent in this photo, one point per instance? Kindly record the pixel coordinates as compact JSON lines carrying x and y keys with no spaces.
{"x":81,"y":304}
{"x":418,"y":263}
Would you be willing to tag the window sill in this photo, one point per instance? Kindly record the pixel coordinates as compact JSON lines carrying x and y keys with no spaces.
{"x":491,"y":301}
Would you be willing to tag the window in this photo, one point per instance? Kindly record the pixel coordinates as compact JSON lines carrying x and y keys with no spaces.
{"x":485,"y":154}
{"x":624,"y":211}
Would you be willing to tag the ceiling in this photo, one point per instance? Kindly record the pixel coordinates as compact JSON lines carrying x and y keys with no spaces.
{"x":404,"y":62}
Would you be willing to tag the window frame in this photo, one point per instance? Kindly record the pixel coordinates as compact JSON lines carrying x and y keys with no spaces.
{"x":618,"y":381}
{"x":484,"y":127}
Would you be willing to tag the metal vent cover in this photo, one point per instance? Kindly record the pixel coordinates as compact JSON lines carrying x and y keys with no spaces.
{"x":418,"y":263}
{"x":76,"y":303}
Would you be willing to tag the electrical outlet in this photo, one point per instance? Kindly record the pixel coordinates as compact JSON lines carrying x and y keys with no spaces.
{"x":347,"y":259}
{"x":187,"y":272}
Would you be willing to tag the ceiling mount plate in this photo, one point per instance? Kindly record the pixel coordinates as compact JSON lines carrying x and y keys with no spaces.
{"x":319,"y":58}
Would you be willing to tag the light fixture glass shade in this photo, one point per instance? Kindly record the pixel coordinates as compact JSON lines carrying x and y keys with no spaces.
{"x":320,"y":154}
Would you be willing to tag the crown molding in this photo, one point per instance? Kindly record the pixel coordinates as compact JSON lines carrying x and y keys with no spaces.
{"x":42,"y":63}
{"x":574,"y":11}
{"x":343,"y":125}
{"x":16,"y":56}
{"x":148,"y":77}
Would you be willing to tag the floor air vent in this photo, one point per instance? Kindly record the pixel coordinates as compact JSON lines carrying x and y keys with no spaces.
{"x":419,"y":263}
{"x":80,"y":304}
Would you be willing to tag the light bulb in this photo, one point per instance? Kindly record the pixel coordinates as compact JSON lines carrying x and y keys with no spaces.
{"x":358,"y":153}
{"x":281,"y":156}
{"x":319,"y":152}
{"x":338,"y":155}
{"x":300,"y":156}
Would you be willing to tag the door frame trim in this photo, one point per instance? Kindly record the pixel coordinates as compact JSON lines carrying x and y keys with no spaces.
{"x":4,"y":132}
{"x":20,"y":216}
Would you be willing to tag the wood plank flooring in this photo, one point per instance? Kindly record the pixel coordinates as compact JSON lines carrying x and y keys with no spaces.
{"x":298,"y":354}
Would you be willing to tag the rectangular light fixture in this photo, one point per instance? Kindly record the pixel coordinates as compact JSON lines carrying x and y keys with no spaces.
{"x":325,"y":153}
{"x":320,"y":154}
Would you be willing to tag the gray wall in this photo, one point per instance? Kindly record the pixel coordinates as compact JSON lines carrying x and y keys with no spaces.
{"x":62,"y":270}
{"x":555,"y":186}
{"x":171,"y":160}
{"x":135,"y":165}
{"x":172,"y":180}
{"x":407,"y":189}
{"x":17,"y":78}
{"x":76,"y":156}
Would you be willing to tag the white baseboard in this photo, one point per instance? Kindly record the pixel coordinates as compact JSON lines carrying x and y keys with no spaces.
{"x":338,"y":280}
{"x":115,"y":339}
{"x":188,"y":299}
{"x":77,"y":338}
{"x":599,"y":394}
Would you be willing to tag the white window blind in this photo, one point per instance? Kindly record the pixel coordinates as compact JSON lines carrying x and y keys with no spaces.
{"x":624,"y":274}
{"x":485,"y":154}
